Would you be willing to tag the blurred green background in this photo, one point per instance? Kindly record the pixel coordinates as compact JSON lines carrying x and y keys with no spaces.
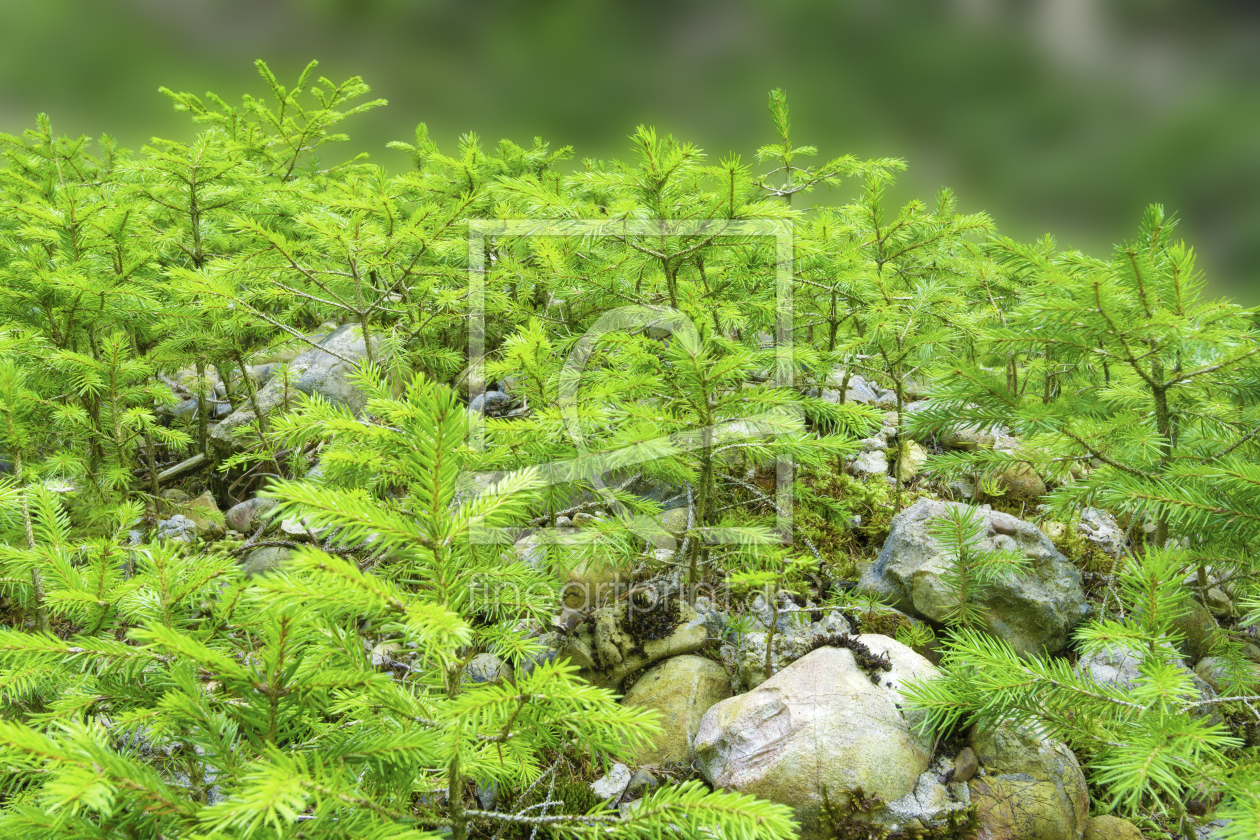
{"x":1064,"y":116}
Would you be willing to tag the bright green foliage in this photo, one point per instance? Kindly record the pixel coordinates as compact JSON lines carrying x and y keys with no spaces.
{"x":149,"y":688}
{"x":898,"y":278}
{"x":269,"y":710}
{"x":393,"y":482}
{"x":1137,"y":375}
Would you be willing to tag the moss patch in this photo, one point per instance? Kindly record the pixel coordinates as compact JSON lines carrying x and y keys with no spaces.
{"x":1083,"y":554}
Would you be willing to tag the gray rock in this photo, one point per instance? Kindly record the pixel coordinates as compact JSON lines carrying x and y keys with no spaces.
{"x":714,"y":619}
{"x":487,"y":668}
{"x":315,"y":371}
{"x":492,"y":403}
{"x":262,"y":374}
{"x":550,"y":652}
{"x":965,"y":765}
{"x":178,"y":528}
{"x":301,"y":529}
{"x":614,"y":784}
{"x":1218,"y":603}
{"x":531,"y":550}
{"x":641,"y":784}
{"x":1100,"y":528}
{"x":745,"y":655}
{"x":879,"y":443}
{"x":820,"y":723}
{"x":1215,"y":671}
{"x":787,"y":617}
{"x":383,"y":655}
{"x":860,"y":390}
{"x":487,"y":792}
{"x":961,"y":489}
{"x":874,"y":462}
{"x":930,"y":804}
{"x":184,"y":408}
{"x":249,"y":514}
{"x":266,"y":559}
{"x":1035,"y":612}
{"x":1212,"y":830}
{"x":1119,"y":667}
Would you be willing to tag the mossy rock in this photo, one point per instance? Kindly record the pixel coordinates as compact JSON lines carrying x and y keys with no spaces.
{"x":1199,"y":630}
{"x":1073,"y":545}
{"x":204,"y":512}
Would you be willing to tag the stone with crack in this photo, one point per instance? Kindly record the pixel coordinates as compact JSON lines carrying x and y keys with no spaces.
{"x":821,"y":727}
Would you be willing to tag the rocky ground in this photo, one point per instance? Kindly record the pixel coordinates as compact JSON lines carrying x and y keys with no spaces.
{"x":823,"y":728}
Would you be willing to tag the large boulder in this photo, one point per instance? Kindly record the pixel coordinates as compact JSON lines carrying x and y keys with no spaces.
{"x":824,"y":726}
{"x":1033,"y":787}
{"x":316,"y":371}
{"x":1035,"y":612}
{"x":291,"y":348}
{"x":682,"y":689}
{"x":616,"y":641}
